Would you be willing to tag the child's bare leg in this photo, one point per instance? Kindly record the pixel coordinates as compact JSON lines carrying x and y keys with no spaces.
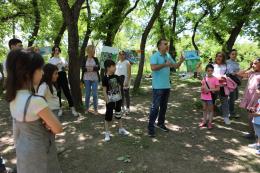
{"x":120,"y":123}
{"x":210,"y":113}
{"x":204,"y":112}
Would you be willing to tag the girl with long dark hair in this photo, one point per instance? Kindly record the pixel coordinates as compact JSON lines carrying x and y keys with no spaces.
{"x":34,"y":123}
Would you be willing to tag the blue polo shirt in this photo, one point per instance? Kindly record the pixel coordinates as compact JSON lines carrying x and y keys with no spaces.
{"x":161,"y":78}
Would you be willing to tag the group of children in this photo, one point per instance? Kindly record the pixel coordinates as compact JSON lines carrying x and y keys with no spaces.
{"x":36,"y":119}
{"x":250,"y":101}
{"x":111,"y":89}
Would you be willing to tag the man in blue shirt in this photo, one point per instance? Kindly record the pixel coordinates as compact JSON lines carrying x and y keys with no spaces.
{"x":161,"y":62}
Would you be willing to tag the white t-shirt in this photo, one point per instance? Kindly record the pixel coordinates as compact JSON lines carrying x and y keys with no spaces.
{"x":219,"y":70}
{"x":52,"y":99}
{"x":17,"y":106}
{"x":121,"y":68}
{"x":59,"y":62}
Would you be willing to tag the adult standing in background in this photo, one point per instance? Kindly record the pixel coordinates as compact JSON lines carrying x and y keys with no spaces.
{"x":62,"y":81}
{"x":123,"y":70}
{"x":90,"y":76}
{"x":13,"y":44}
{"x":161,"y":62}
{"x":220,"y":71}
{"x":233,"y":68}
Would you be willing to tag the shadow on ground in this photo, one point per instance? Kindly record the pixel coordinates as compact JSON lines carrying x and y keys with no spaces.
{"x":186,"y":148}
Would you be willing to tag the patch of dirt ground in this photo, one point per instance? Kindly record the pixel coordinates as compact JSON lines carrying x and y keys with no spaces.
{"x":186,"y":148}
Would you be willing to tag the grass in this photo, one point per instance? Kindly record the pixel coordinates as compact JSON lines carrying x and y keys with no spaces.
{"x":186,"y":148}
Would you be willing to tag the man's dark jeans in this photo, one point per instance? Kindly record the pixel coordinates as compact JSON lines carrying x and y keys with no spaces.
{"x":159,"y":106}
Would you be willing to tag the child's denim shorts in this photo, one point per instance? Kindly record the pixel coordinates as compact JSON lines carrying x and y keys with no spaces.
{"x":208,"y":102}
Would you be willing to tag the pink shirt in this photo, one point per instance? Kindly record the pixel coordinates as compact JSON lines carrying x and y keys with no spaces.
{"x":213,"y":82}
{"x":251,"y":97}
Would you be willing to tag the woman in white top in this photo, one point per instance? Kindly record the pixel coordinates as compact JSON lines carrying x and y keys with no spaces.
{"x":220,"y":71}
{"x":62,"y":80}
{"x":123,"y":70}
{"x":33,"y":121}
{"x":47,"y":87}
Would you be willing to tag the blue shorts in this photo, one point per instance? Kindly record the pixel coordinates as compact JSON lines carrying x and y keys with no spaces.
{"x":208,"y":102}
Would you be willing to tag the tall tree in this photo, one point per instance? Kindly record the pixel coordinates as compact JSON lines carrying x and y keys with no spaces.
{"x":112,"y":17}
{"x":58,"y":37}
{"x":87,"y":33}
{"x":173,"y":34}
{"x":37,"y":21}
{"x":145,"y":34}
{"x":227,"y":20}
{"x":195,"y":29}
{"x":244,"y":15}
{"x":71,"y":16}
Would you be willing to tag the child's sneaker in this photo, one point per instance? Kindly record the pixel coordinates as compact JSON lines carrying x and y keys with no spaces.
{"x":227,"y":121}
{"x":123,"y":109}
{"x":123,"y":131}
{"x":257,"y":152}
{"x":74,"y":112}
{"x":96,"y":113}
{"x":107,"y":137}
{"x":60,"y":113}
{"x":127,"y":111}
{"x":202,"y":124}
{"x":254,"y":146}
{"x":210,"y":126}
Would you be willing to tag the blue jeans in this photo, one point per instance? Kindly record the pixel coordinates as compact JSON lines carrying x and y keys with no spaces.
{"x":91,"y":86}
{"x":159,"y":106}
{"x":232,"y":98}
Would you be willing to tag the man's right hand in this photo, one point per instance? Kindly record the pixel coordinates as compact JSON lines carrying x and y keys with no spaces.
{"x":168,"y":64}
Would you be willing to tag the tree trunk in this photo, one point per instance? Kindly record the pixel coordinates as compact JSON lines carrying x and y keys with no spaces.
{"x":36,"y":24}
{"x":87,"y":34}
{"x":58,"y":38}
{"x":115,"y":25}
{"x":145,"y":34}
{"x":195,"y":29}
{"x":71,"y":16}
{"x":161,"y":26}
{"x":173,"y":35}
{"x":246,"y":10}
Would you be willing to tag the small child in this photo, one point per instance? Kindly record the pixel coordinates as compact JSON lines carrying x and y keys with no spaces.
{"x":251,"y":95}
{"x":255,"y":114}
{"x":210,"y":84}
{"x":47,"y":87}
{"x":112,"y":92}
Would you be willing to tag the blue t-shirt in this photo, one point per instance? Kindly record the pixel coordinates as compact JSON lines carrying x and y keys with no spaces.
{"x":161,"y":78}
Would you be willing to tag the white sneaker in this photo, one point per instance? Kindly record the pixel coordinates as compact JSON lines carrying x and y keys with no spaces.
{"x":227,"y":121}
{"x":123,"y":131}
{"x":107,"y":137}
{"x":127,"y":111}
{"x":123,"y":110}
{"x":74,"y":112}
{"x":254,"y":146}
{"x":60,"y":113}
{"x":257,"y":152}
